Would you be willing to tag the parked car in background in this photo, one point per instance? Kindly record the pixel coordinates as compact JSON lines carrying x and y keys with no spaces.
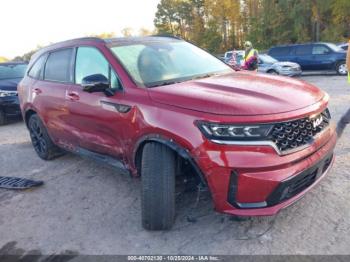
{"x":239,"y":57}
{"x":268,"y":64}
{"x":313,"y":57}
{"x":10,"y":75}
{"x":344,"y":46}
{"x":163,"y":109}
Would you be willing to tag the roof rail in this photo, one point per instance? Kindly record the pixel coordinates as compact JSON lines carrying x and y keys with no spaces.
{"x":168,"y":35}
{"x":88,"y":38}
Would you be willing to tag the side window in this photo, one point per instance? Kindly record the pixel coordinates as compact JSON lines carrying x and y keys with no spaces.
{"x":90,"y":61}
{"x":37,"y":70}
{"x":58,"y":66}
{"x":280,"y":51}
{"x":303,"y":50}
{"x":320,"y":50}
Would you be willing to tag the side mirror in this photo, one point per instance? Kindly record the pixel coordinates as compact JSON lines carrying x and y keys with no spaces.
{"x":95,"y":83}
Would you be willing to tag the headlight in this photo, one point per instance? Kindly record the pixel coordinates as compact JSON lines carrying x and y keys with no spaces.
{"x":228,"y":132}
{"x":4,"y":93}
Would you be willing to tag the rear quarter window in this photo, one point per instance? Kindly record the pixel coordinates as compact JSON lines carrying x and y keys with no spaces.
{"x":37,"y":70}
{"x":59,"y":66}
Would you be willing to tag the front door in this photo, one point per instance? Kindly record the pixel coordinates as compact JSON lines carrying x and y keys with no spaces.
{"x":97,"y":124}
{"x":322,"y":57}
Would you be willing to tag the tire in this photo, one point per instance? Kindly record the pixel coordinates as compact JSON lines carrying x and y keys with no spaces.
{"x":41,"y":141}
{"x":158,"y":187}
{"x":341,"y":68}
{"x":2,"y":118}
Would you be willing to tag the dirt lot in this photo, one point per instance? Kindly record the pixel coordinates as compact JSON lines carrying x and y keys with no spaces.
{"x":87,"y":208}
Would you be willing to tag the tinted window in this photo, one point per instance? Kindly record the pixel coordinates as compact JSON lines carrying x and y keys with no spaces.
{"x":11,"y":71}
{"x":303,"y":50}
{"x":58,"y":66}
{"x":280,"y":51}
{"x":37,"y":69}
{"x":320,"y":50}
{"x":90,"y":61}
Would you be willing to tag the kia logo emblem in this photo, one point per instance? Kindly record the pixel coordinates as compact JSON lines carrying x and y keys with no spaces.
{"x":317,"y":121}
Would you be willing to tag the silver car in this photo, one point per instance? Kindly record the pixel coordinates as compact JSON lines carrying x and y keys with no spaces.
{"x":268,"y":64}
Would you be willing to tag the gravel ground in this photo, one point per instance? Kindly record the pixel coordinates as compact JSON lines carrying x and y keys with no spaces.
{"x":86,"y":208}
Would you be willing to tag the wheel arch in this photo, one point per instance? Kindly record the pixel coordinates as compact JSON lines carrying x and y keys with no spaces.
{"x":28,"y":114}
{"x":271,"y":70}
{"x":170,"y":143}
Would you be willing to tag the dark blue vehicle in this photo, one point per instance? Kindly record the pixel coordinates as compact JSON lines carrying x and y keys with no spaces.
{"x":313,"y":57}
{"x":10,"y":75}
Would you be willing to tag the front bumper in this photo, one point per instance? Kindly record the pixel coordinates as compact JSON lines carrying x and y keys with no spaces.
{"x":290,"y":72}
{"x":10,"y":105}
{"x":255,"y":181}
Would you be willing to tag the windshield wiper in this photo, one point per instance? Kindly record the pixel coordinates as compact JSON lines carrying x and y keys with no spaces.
{"x":204,"y":76}
{"x":165,"y":83}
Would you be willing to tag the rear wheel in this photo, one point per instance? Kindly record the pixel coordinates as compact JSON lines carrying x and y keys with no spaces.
{"x":158,"y":187}
{"x":41,"y":141}
{"x":2,"y":118}
{"x":342,"y":68}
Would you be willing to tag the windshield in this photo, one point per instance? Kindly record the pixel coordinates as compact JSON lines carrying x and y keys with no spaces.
{"x":11,"y":71}
{"x":335,"y":47}
{"x":161,"y":63}
{"x":266,"y":59}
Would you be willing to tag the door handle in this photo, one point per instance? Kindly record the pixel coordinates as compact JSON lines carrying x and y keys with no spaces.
{"x":37,"y":91}
{"x":72,"y":96}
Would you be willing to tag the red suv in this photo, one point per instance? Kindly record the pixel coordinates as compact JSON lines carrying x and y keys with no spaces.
{"x":159,"y":107}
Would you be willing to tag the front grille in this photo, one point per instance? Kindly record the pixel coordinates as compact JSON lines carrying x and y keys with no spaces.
{"x":298,"y":133}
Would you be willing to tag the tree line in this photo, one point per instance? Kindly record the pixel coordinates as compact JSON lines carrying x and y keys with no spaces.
{"x":220,"y":25}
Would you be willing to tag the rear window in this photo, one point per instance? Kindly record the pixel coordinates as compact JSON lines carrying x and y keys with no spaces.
{"x":303,"y":50}
{"x":280,"y":51}
{"x":11,"y":71}
{"x":59,"y":66}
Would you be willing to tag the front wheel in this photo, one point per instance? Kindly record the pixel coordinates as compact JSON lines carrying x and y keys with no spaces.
{"x":158,"y":187}
{"x":41,"y":141}
{"x":273,"y":72}
{"x":342,"y":68}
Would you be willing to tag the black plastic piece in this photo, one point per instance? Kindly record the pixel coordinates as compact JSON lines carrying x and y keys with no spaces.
{"x":115,"y":163}
{"x":18,"y":183}
{"x":295,"y":185}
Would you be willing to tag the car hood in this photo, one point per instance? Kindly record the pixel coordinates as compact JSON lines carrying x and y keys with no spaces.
{"x":240,"y":94}
{"x":9,"y":84}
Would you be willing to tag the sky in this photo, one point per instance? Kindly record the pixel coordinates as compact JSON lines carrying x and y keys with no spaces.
{"x":25,"y":24}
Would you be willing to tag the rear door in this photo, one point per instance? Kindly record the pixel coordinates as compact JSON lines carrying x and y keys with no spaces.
{"x":281,"y":53}
{"x":97,"y":124}
{"x":303,"y":56}
{"x":49,"y":92}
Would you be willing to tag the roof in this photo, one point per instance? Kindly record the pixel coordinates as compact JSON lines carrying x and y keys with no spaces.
{"x":110,"y":41}
{"x":296,"y":44}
